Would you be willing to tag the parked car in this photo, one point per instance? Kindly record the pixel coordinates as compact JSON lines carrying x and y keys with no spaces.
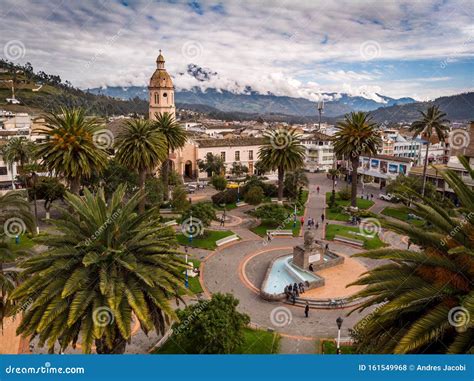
{"x":190,"y":188}
{"x":389,"y":197}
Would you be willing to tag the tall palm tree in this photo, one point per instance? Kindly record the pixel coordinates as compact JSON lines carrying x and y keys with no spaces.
{"x":424,"y":300}
{"x":140,"y":147}
{"x":70,"y":149}
{"x":175,"y":138}
{"x":294,"y":181}
{"x":356,"y":135}
{"x":17,"y":150}
{"x":107,"y":268}
{"x":282,"y":151}
{"x":15,"y":218}
{"x":431,"y":124}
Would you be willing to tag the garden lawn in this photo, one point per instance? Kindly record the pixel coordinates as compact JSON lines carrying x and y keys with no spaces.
{"x":25,"y":243}
{"x":369,"y":243}
{"x":261,"y":229}
{"x":339,"y":216}
{"x":206,"y":241}
{"x":401,"y":213}
{"x":256,"y":342}
{"x":194,"y":283}
{"x":230,"y":206}
{"x":329,"y":348}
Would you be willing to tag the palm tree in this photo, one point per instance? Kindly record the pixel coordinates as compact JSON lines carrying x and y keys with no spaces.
{"x":294,"y":181}
{"x":15,"y":219}
{"x":356,"y":135}
{"x":424,"y":299}
{"x":70,"y":149}
{"x":175,"y":138}
{"x":18,"y":150}
{"x":107,"y":268}
{"x":140,"y":147}
{"x":282,"y":151}
{"x":432,"y":123}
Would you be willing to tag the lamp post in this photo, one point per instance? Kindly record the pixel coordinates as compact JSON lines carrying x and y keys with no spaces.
{"x":186,"y":279}
{"x":191,"y":226}
{"x":34,"y":178}
{"x":339,"y":325}
{"x":320,"y":111}
{"x":294,"y":219}
{"x":238,"y":192}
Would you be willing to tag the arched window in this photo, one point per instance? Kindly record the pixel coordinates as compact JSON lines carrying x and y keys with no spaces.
{"x":166,"y":97}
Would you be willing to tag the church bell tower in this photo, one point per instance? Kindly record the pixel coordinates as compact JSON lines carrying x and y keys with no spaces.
{"x":161,"y":91}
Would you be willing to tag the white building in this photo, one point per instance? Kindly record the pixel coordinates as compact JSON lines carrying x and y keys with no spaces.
{"x":319,"y":155}
{"x":231,"y":150}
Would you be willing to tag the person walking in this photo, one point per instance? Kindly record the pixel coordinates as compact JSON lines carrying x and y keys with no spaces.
{"x":322,"y":218}
{"x":306,"y":310}
{"x":316,"y":226}
{"x":293,"y":298}
{"x":317,"y":189}
{"x":302,"y":222}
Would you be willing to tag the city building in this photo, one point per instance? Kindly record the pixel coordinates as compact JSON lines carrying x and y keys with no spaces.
{"x":319,"y":155}
{"x":384,"y":168}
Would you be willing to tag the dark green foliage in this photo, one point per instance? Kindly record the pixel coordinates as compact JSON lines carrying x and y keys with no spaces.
{"x":211,"y":327}
{"x":203,"y":211}
{"x":228,"y":196}
{"x":179,"y":199}
{"x":254,"y":195}
{"x":344,"y":193}
{"x":219,"y":182}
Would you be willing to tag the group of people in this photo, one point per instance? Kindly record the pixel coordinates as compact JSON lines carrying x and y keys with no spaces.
{"x":368,"y":196}
{"x":311,"y":222}
{"x":294,"y":291}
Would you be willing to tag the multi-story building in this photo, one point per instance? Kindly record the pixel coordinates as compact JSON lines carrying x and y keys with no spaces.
{"x":319,"y":155}
{"x":383,"y":167}
{"x":433,"y":172}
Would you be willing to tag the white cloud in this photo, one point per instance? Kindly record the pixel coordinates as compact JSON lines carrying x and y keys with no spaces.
{"x":295,"y":48}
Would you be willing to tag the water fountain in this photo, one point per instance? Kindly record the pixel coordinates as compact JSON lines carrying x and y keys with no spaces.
{"x":299,"y":267}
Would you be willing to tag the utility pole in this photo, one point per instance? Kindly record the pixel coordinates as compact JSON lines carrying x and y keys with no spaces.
{"x":320,"y":111}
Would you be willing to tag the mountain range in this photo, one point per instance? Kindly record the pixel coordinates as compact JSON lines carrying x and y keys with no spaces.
{"x":252,"y":102}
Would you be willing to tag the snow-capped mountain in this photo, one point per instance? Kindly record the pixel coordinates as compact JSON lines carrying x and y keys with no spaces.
{"x":245,"y":99}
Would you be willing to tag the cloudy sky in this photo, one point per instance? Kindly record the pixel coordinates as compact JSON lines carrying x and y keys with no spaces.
{"x":422,"y":49}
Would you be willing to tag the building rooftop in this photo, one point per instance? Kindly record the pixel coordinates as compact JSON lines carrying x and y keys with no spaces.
{"x":389,"y":158}
{"x":230,"y":142}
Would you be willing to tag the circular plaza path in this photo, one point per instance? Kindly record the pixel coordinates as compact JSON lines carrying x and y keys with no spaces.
{"x":239,"y":268}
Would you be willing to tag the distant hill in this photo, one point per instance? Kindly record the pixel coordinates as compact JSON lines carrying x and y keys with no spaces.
{"x":457,"y":107}
{"x":39,"y":92}
{"x":252,"y":102}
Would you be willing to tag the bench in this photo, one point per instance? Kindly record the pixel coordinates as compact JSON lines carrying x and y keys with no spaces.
{"x":241,"y":203}
{"x":351,"y":241}
{"x":223,"y":241}
{"x":166,"y":211}
{"x":275,"y":199}
{"x":171,"y":223}
{"x":280,"y":232}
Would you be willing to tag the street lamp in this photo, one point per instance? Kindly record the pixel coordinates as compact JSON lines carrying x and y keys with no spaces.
{"x":34,"y":178}
{"x":238,"y":192}
{"x":186,"y":279}
{"x":320,"y":111}
{"x":191,"y":226}
{"x":294,"y":219}
{"x":339,"y":325}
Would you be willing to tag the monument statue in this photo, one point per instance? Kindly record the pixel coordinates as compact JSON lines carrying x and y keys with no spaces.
{"x":308,"y":240}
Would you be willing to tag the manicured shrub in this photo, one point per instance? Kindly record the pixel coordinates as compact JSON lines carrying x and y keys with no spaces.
{"x":344,"y":194}
{"x":228,"y":196}
{"x":254,"y":196}
{"x":219,"y":182}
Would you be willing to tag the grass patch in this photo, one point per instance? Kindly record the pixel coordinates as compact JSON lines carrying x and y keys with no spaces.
{"x":256,"y":342}
{"x":329,"y":348}
{"x":335,"y":213}
{"x":261,"y":229}
{"x":25,"y":243}
{"x":401,"y":213}
{"x":369,"y":243}
{"x":194,"y":283}
{"x":206,"y":241}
